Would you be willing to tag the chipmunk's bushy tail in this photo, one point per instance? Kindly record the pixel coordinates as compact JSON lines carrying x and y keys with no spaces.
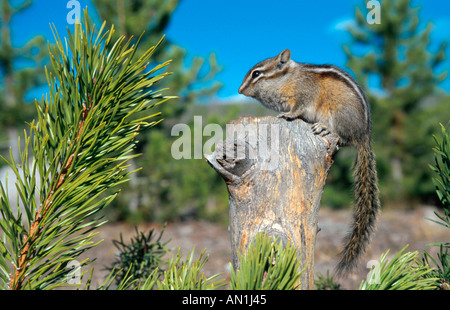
{"x":367,"y":205}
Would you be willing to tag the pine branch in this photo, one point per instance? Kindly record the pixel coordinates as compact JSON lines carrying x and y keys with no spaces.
{"x":267,"y":265}
{"x":185,"y":274}
{"x":402,"y":272}
{"x":98,"y":102}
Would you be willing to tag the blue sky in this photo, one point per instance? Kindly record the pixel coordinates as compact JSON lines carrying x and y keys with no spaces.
{"x":242,"y":33}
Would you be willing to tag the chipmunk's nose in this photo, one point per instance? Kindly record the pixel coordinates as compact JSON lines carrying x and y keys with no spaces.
{"x":241,"y":89}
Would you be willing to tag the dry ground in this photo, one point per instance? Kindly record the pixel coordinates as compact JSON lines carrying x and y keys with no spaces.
{"x":396,"y":228}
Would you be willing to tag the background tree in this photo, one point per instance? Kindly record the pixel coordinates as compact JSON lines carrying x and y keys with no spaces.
{"x":165,"y":188}
{"x":133,"y":17}
{"x":21,"y":69}
{"x":398,"y":66}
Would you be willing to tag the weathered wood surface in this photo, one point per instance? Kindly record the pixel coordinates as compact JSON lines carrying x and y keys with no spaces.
{"x":275,"y":171}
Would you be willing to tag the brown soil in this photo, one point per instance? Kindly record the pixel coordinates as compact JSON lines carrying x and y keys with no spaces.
{"x":395,"y":230}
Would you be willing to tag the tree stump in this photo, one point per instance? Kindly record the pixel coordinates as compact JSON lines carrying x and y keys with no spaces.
{"x":275,"y":171}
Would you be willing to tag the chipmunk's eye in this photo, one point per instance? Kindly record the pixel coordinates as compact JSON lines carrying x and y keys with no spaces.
{"x":255,"y":74}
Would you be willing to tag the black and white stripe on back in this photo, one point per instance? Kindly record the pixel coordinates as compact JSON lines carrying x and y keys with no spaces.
{"x":344,"y":77}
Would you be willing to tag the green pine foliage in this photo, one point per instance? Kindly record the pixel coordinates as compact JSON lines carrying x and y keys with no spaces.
{"x":441,"y":264}
{"x":267,"y":265}
{"x":75,"y":152}
{"x":140,"y":257}
{"x":179,"y":274}
{"x":187,"y":274}
{"x":326,"y":282}
{"x":402,"y":272}
{"x":441,"y":169}
{"x":442,"y":179}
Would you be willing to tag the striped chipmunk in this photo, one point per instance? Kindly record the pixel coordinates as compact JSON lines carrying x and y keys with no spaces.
{"x":331,"y":100}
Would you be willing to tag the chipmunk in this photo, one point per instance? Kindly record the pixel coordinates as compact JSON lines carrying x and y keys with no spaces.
{"x":331,"y":100}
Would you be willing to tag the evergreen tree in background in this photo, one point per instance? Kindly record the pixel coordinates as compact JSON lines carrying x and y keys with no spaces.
{"x":165,"y":188}
{"x":397,"y":65}
{"x":133,"y":17}
{"x":21,"y":69}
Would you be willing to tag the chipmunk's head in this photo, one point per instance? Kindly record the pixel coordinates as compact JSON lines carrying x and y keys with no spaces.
{"x":268,"y":75}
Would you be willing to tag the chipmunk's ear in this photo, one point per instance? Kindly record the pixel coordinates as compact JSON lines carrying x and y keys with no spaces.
{"x":284,"y":56}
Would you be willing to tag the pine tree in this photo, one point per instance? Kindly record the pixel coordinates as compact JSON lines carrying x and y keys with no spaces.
{"x":16,"y":80}
{"x":395,"y":63}
{"x":131,"y":18}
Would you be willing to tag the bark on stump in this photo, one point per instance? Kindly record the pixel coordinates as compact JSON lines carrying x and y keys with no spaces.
{"x":275,"y":171}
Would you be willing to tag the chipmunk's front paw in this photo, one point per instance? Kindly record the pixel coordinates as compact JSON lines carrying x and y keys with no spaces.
{"x":286,"y":116}
{"x":320,"y":129}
